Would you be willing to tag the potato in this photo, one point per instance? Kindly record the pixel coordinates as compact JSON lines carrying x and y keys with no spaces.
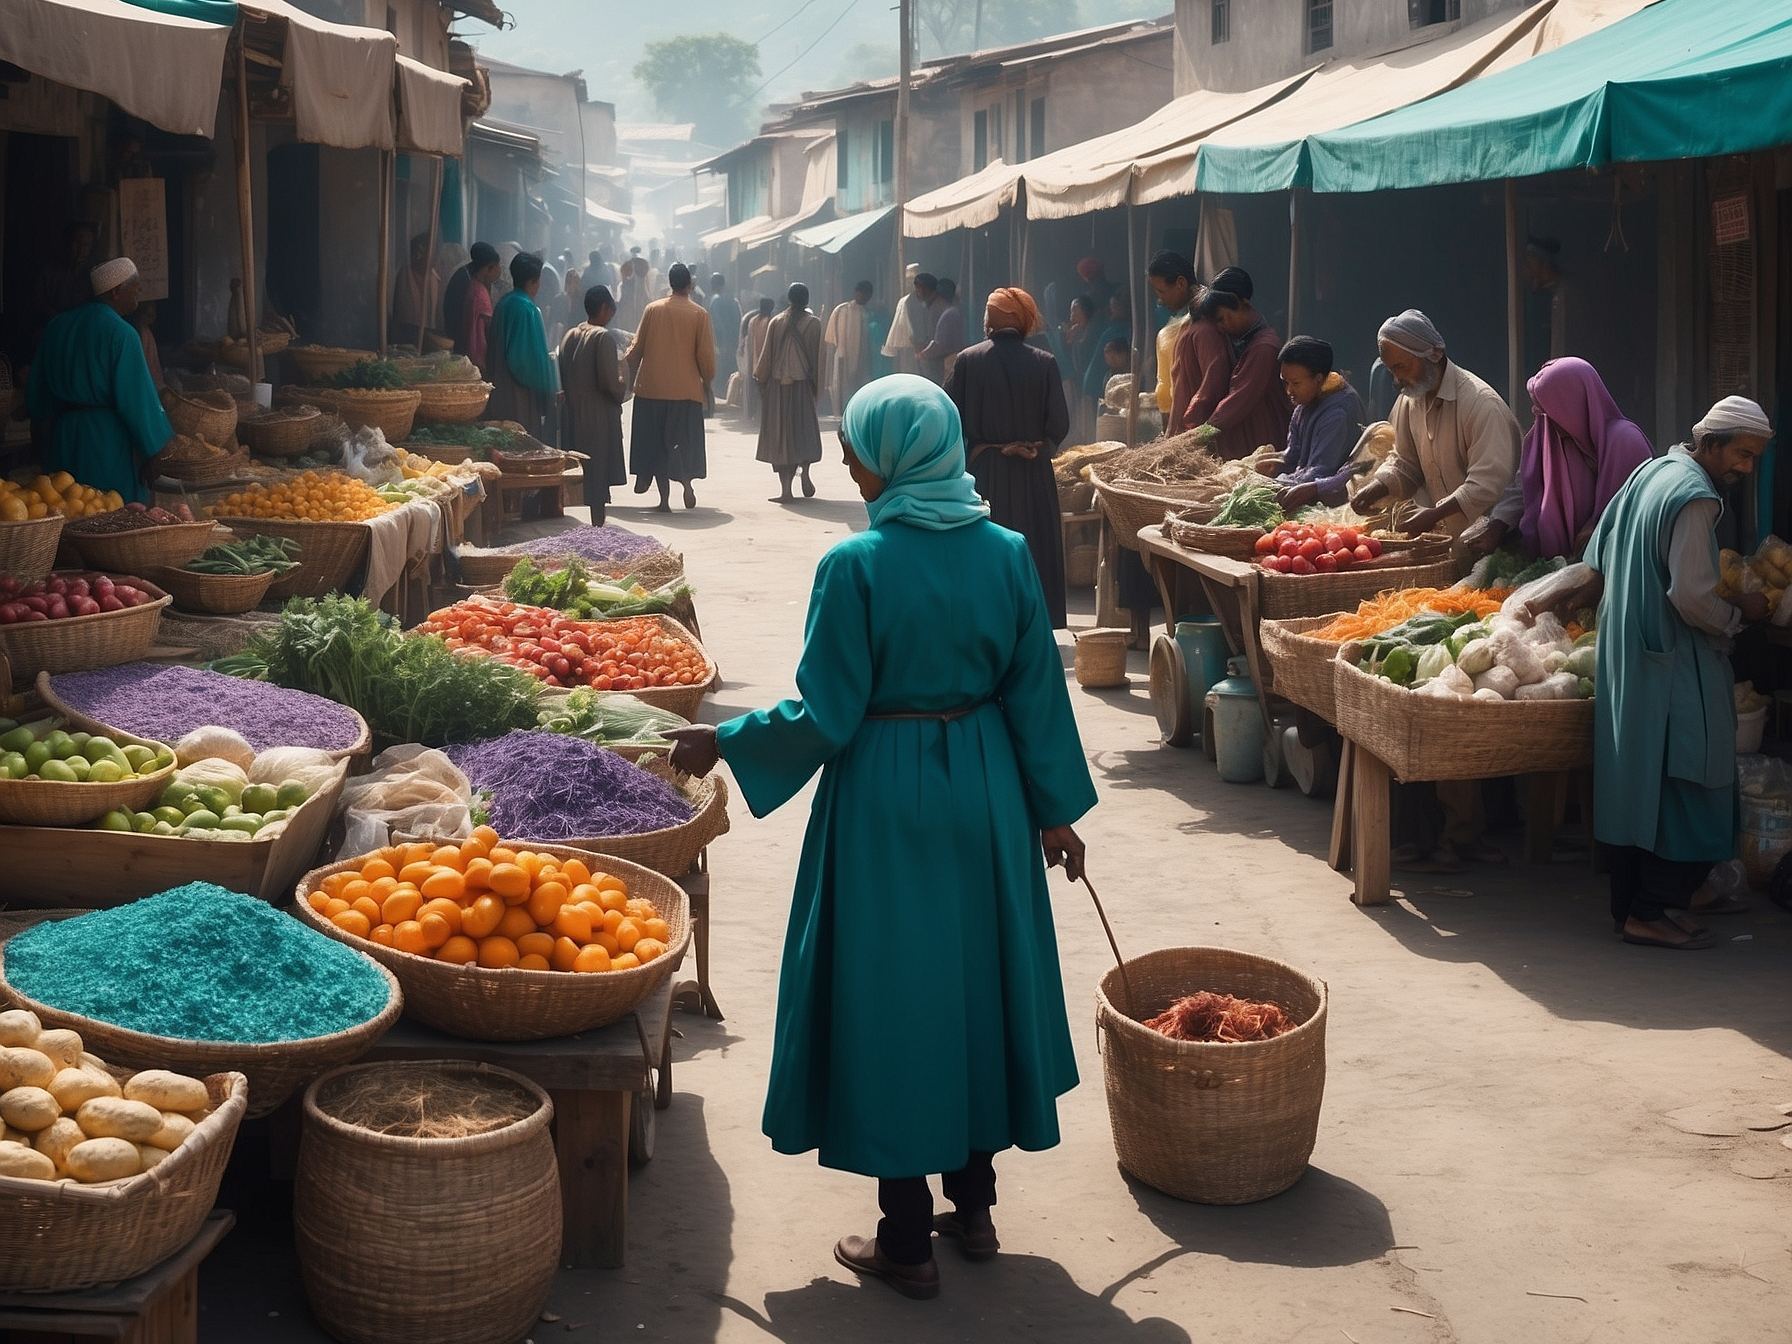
{"x":10,"y":1135}
{"x":18,"y":1027}
{"x":61,"y":1045}
{"x":174,"y":1131}
{"x":104,"y":1159}
{"x":29,"y":1109}
{"x":148,"y":1155}
{"x":26,"y":1162}
{"x":20,"y":1067}
{"x":167,"y":1091}
{"x":117,"y":1118}
{"x":55,"y":1142}
{"x":95,"y":1064}
{"x":71,"y":1087}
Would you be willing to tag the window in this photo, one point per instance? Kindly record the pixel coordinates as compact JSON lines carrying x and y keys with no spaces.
{"x":886,"y":152}
{"x":997,"y":142}
{"x":1319,"y":25}
{"x":1037,"y":139}
{"x":842,"y":164}
{"x":980,"y":141}
{"x":1424,"y":13}
{"x":1222,"y":20}
{"x":1020,"y":127}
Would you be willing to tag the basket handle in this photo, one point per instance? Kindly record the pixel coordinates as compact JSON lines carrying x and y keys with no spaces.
{"x":1125,"y":983}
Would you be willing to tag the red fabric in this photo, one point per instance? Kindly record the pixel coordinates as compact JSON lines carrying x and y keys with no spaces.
{"x":1200,"y":371}
{"x":1255,"y":409}
{"x":479,"y":320}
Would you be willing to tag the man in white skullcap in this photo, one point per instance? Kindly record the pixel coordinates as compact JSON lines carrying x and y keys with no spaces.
{"x":1455,"y":451}
{"x":91,"y":390}
{"x":1664,"y":735}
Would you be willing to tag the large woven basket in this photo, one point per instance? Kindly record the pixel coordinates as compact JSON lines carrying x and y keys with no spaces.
{"x":50,"y":802}
{"x":317,"y":362}
{"x":283,"y":433}
{"x":1281,"y":596}
{"x":1426,"y":737}
{"x":1237,"y":543}
{"x":392,"y":412}
{"x":1213,"y":1122}
{"x":82,"y":643}
{"x":28,"y":548}
{"x":236,"y":353}
{"x":673,"y":850}
{"x":1301,"y":666}
{"x":683,"y":701}
{"x":434,"y":1207}
{"x":204,"y":415}
{"x":213,"y":470}
{"x":142,"y":550}
{"x":1132,"y":506}
{"x":60,"y":1236}
{"x":332,"y":553}
{"x":275,"y":1071}
{"x":451,"y":403}
{"x":514,"y":1004}
{"x":216,"y":594}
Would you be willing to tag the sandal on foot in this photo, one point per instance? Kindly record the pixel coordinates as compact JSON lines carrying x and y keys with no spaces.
{"x":1693,"y":943}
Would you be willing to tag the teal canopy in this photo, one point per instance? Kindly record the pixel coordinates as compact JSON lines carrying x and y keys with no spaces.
{"x":1681,"y":79}
{"x":221,"y":12}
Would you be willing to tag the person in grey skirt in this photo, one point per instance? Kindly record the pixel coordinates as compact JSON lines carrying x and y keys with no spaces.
{"x":788,"y":372}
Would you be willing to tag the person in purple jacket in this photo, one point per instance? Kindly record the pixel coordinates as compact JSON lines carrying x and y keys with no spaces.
{"x":1327,"y":422}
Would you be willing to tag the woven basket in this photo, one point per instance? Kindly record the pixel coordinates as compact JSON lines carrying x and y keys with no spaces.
{"x":1281,"y":596}
{"x":1101,"y":658}
{"x":1301,"y":666}
{"x":83,"y":643}
{"x":1077,"y":497}
{"x":391,"y":412}
{"x":317,"y":362}
{"x":144,"y":549}
{"x":1422,"y":550}
{"x":451,"y":403}
{"x":275,"y":1071}
{"x":236,"y":353}
{"x":1213,"y":1122}
{"x":1237,"y":543}
{"x":49,"y":802}
{"x":1424,"y":737}
{"x":204,"y":415}
{"x":1082,"y":565}
{"x":674,"y":850}
{"x":683,"y":701}
{"x":468,"y":1230}
{"x":205,"y":471}
{"x":1130,"y":507}
{"x":62,"y":1236}
{"x":28,"y":549}
{"x":513,"y":1004}
{"x":216,"y":594}
{"x":285,"y":433}
{"x":332,"y":552}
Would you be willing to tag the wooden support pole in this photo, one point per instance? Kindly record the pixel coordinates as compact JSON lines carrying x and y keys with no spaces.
{"x":429,"y":270}
{"x":905,"y":60}
{"x":1138,"y":325}
{"x":245,"y":211}
{"x":382,"y":270}
{"x":1293,"y":261}
{"x":1514,"y":304}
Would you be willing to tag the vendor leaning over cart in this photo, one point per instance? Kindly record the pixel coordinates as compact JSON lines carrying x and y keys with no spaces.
{"x":92,"y":393}
{"x":933,"y":701}
{"x":1664,"y":739}
{"x":1325,"y":427}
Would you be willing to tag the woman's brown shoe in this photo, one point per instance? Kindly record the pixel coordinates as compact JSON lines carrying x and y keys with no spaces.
{"x":976,"y":1243}
{"x":860,"y":1254}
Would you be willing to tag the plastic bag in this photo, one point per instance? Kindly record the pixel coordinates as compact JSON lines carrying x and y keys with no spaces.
{"x":370,"y":458}
{"x":1563,"y":590}
{"x":413,"y":793}
{"x":311,"y":767}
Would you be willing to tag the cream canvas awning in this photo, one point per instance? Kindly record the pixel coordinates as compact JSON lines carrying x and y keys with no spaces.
{"x":969,"y":203}
{"x":340,"y":78}
{"x":734,"y":233}
{"x":762,"y":229}
{"x":429,"y":110}
{"x":160,"y":67}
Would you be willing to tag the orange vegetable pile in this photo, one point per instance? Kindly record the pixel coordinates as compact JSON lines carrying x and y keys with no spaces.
{"x":1390,"y":609}
{"x":627,"y":655}
{"x":482,"y":902}
{"x":312,"y":496}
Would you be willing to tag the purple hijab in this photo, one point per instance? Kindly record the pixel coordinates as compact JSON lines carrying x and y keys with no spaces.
{"x":1568,"y":484}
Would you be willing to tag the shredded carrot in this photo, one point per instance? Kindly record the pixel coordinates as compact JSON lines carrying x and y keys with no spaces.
{"x":1390,"y":609}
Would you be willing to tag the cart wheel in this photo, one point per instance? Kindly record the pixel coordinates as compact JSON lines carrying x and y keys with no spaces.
{"x":1315,"y":768}
{"x":1169,"y":692}
{"x":1276,"y":773}
{"x":642,"y":1122}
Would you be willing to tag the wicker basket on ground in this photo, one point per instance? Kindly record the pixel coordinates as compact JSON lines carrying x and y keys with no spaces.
{"x":142,"y":549}
{"x":1101,"y":658}
{"x":1428,"y":737}
{"x":1237,"y":543}
{"x":332,"y":553}
{"x":82,"y":643}
{"x":1214,"y":1122}
{"x":317,"y":362}
{"x":48,"y":802}
{"x":63,"y":1236}
{"x":28,"y":547}
{"x":451,"y":403}
{"x":1281,"y":596}
{"x":392,"y":412}
{"x":1132,"y":505}
{"x":216,"y":594}
{"x":513,"y":1004}
{"x":204,"y":415}
{"x":286,"y":432}
{"x":1301,"y":666}
{"x":674,"y":850}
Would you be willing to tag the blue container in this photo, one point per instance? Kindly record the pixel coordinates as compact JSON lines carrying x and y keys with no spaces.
{"x":1204,"y":653}
{"x":1237,"y":727}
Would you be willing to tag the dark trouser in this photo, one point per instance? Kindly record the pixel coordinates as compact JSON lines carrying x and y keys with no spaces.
{"x":905,"y":1232}
{"x":1645,"y":887}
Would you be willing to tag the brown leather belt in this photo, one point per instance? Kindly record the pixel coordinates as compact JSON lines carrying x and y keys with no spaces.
{"x":1029,"y":451}
{"x":943,"y":715}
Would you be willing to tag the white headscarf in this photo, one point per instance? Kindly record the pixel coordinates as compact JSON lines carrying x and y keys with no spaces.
{"x":1735,"y":415}
{"x":109,"y":275}
{"x":1412,"y":332}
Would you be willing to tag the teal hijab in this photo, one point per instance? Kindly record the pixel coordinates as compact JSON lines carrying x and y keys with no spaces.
{"x":906,"y":430}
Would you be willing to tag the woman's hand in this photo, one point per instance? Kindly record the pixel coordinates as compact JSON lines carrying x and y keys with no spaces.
{"x":1063,"y":848}
{"x":1369,"y":496}
{"x":694,"y":750}
{"x":1292,"y":497}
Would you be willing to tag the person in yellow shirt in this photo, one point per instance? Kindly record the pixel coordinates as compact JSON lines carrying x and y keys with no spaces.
{"x":1172,"y":280}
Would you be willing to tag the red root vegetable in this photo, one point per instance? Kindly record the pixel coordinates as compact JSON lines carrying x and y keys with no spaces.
{"x":1207,"y":1016}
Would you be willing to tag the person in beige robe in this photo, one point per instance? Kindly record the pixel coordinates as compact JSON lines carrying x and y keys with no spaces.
{"x":788,"y":372}
{"x":592,"y":383}
{"x":848,"y":339}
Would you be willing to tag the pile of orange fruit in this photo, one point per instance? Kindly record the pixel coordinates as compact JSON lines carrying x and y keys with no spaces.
{"x":60,"y":493}
{"x":482,"y":902}
{"x":311,"y":496}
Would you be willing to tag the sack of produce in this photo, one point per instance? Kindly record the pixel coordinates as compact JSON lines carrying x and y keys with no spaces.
{"x":412,"y":793}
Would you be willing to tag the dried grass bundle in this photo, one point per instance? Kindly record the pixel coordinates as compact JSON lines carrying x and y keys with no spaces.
{"x":428,"y":1106}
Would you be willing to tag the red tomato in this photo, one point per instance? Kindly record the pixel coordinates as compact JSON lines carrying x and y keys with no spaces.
{"x":1302,"y":565}
{"x":1326,"y":563}
{"x":1266,"y":543}
{"x":1333,"y":541}
{"x":1363,"y":554}
{"x":1311,"y":548}
{"x":1279,"y":563}
{"x":1373,"y":545}
{"x":1288,"y":549}
{"x":1350,"y":536}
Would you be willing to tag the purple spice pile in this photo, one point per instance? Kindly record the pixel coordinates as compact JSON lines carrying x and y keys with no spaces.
{"x":166,"y":703}
{"x":547,"y":786}
{"x":595,"y":544}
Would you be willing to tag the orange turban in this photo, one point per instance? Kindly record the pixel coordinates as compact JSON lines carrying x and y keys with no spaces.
{"x":1012,"y":308}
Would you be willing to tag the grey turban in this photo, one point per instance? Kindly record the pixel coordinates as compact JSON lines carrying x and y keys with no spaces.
{"x":1412,"y":332}
{"x":1735,"y":415}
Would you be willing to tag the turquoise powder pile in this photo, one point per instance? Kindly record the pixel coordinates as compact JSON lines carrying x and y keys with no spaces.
{"x":198,"y":963}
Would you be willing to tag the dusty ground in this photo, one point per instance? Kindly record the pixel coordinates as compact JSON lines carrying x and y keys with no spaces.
{"x":1493,"y":1161}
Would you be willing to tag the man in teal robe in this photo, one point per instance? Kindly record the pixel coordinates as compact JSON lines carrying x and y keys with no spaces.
{"x":921,"y":1024}
{"x":1664,"y":756}
{"x":523,"y":376}
{"x":91,"y":391}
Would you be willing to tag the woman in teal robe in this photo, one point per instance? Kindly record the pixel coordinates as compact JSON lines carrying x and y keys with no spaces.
{"x":921,"y":1024}
{"x":91,"y":389}
{"x":524,"y":379}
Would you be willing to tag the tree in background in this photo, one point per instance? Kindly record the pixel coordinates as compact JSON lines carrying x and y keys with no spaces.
{"x":966,"y":25}
{"x":705,"y":79}
{"x":868,"y":61}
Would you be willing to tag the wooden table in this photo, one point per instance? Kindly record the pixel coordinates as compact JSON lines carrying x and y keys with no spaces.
{"x":498,"y":495}
{"x":695,"y":995}
{"x":602,"y":1083}
{"x":159,"y":1306}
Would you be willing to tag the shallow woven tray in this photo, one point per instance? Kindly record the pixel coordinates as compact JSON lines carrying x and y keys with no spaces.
{"x":451,"y":403}
{"x":144,"y":549}
{"x":50,"y":802}
{"x":331,"y":553}
{"x":236,"y":353}
{"x":683,"y":701}
{"x":82,"y":643}
{"x":317,"y":362}
{"x":1238,"y":543}
{"x":1281,"y":596}
{"x":216,"y":594}
{"x":1301,"y":666}
{"x":513,"y":1004}
{"x":286,"y":433}
{"x":203,"y":415}
{"x":674,"y":850}
{"x":1425,"y":737}
{"x":1130,"y":507}
{"x":28,"y":548}
{"x":206,"y":471}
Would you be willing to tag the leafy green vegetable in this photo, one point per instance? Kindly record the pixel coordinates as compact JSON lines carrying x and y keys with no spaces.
{"x":611,"y":719}
{"x":572,"y":589}
{"x":1251,"y":503}
{"x":252,"y":555}
{"x":369,"y":375}
{"x":480,"y":438}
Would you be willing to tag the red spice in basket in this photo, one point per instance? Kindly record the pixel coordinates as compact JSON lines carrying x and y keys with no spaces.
{"x":1207,"y":1016}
